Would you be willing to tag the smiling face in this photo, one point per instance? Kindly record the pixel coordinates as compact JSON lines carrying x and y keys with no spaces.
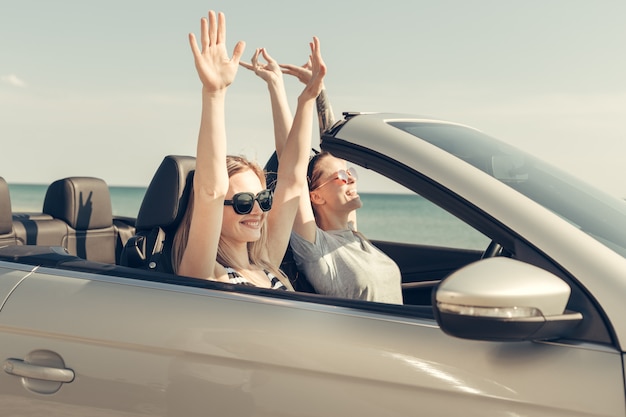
{"x":243,"y":228}
{"x":331,"y":194}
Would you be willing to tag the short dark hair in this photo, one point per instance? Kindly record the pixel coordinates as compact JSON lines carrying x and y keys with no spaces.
{"x":311,"y":175}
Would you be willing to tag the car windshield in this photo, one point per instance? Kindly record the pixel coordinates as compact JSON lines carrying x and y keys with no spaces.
{"x":598,"y":214}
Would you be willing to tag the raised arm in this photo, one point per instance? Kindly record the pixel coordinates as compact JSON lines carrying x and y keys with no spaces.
{"x":216,"y":71}
{"x":271,"y":73}
{"x":304,"y":224}
{"x":325,"y":116}
{"x":294,"y":158}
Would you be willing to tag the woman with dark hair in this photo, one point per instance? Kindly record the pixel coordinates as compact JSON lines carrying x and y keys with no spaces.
{"x":336,"y":259}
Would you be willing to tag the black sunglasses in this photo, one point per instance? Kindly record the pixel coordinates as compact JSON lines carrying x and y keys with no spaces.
{"x":244,"y":202}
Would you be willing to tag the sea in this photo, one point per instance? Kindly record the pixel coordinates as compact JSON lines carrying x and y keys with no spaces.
{"x":406,"y":218}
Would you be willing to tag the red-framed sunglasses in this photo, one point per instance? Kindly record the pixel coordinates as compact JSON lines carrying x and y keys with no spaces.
{"x":342,"y":175}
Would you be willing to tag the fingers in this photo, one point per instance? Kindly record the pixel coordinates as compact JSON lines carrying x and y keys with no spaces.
{"x":253,"y":65}
{"x":204,"y":33}
{"x":303,"y":74}
{"x":246,"y":65}
{"x":255,"y":57}
{"x":290,"y":70}
{"x":221,"y":28}
{"x":215,"y":69}
{"x":267,"y":56}
{"x":318,"y":67}
{"x":288,"y":67}
{"x":194,"y":45}
{"x":238,"y":51}
{"x":309,"y":73}
{"x":316,"y":54}
{"x":316,"y":57}
{"x":212,"y":31}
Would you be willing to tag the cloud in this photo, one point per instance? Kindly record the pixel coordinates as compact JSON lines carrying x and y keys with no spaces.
{"x":13,"y":79}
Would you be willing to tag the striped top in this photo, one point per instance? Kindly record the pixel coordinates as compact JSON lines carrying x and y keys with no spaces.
{"x":235,"y":277}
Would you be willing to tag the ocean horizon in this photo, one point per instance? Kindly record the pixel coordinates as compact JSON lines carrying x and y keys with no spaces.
{"x":407,"y":218}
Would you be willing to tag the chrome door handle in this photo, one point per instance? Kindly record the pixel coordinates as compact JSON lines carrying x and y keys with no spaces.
{"x":20,"y":368}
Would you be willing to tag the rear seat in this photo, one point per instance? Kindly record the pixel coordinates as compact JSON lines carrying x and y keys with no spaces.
{"x":7,"y":231}
{"x":77,"y":215}
{"x":84,"y":205}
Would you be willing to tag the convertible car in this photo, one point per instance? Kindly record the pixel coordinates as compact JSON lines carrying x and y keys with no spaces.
{"x":93,"y":322}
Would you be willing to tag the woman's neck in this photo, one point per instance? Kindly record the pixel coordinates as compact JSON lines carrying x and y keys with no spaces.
{"x":332,"y":222}
{"x":237,"y":254}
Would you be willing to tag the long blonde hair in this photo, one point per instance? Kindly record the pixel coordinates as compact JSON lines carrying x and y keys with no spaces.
{"x":256,"y":249}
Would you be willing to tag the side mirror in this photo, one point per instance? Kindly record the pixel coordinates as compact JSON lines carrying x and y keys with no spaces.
{"x":503,"y":299}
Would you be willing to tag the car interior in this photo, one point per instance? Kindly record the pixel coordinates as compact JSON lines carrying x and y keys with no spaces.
{"x":76,"y":231}
{"x":77,"y":217}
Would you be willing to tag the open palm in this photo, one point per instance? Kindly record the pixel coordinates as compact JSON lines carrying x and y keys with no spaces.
{"x":215,"y":69}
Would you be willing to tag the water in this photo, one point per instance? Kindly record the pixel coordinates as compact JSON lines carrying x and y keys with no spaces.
{"x":29,"y":198}
{"x":412,"y":219}
{"x":393,"y":217}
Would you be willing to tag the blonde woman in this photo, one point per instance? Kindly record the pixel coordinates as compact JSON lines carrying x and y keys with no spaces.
{"x":235,"y":230}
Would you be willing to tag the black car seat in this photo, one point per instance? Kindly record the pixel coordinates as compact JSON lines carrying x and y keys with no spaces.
{"x":160,"y":213}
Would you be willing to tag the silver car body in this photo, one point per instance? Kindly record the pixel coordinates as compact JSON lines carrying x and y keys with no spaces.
{"x":139,"y":347}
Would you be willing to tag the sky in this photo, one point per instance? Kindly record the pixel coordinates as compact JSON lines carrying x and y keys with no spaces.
{"x":107,"y":89}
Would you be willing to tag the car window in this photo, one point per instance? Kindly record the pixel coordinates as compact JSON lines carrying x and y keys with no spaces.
{"x":393,"y":213}
{"x":596,"y":213}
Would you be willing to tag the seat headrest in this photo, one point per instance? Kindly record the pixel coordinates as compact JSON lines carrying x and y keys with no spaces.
{"x":166,"y":198}
{"x":6,"y":218}
{"x":82,"y":202}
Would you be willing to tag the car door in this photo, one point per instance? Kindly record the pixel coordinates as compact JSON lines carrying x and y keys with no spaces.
{"x":135,"y":348}
{"x":11,"y":277}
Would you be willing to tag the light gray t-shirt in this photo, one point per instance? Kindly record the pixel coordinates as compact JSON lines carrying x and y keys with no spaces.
{"x":342,"y":264}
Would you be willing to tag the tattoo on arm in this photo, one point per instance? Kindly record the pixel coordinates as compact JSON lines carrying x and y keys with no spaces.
{"x":324,"y":112}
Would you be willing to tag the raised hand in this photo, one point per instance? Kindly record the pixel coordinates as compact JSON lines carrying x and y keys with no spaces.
{"x":303,"y":73}
{"x":215,"y":69}
{"x":270,"y":71}
{"x":318,"y":70}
